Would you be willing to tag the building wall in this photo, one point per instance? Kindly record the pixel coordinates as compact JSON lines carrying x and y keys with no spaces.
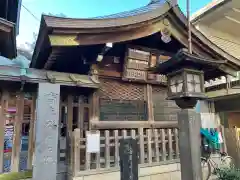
{"x":234,"y":119}
{"x":128,"y":92}
{"x":209,"y":118}
{"x":229,"y":111}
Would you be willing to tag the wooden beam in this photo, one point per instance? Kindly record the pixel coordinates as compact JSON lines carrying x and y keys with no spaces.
{"x":222,"y":93}
{"x":69,"y":136}
{"x":16,"y":145}
{"x":94,"y":104}
{"x":4,"y":99}
{"x":233,"y":19}
{"x":31,"y":140}
{"x":236,"y":10}
{"x":132,"y":124}
{"x":150,"y":103}
{"x":6,"y":26}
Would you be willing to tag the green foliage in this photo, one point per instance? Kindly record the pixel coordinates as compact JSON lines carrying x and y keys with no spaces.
{"x":228,"y":174}
{"x":16,"y":175}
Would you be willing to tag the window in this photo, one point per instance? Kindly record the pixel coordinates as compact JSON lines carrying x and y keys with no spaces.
{"x":193,"y":83}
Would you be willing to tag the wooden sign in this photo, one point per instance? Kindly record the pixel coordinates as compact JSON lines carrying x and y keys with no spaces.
{"x":93,"y":142}
{"x":128,"y":159}
{"x":138,"y":54}
{"x":135,"y":74}
{"x":47,"y":132}
{"x":137,"y":64}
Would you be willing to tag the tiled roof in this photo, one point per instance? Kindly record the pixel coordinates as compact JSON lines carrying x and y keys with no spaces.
{"x":150,"y":7}
{"x":14,"y":73}
{"x":145,"y":13}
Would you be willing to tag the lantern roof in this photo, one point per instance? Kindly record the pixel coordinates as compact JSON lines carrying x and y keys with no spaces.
{"x":183,"y":59}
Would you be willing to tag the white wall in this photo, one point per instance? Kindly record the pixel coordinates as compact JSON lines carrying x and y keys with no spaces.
{"x":209,"y":119}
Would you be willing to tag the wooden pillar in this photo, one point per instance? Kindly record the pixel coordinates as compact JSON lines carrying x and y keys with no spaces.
{"x":31,"y":141}
{"x":4,"y":99}
{"x":228,"y":83}
{"x":94,"y":107}
{"x":16,"y":146}
{"x":77,"y":151}
{"x":224,"y":119}
{"x":94,"y":100}
{"x":80,"y":116}
{"x":69,"y":136}
{"x":149,"y":103}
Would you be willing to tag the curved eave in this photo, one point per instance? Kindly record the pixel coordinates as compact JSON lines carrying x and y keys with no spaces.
{"x":111,"y":22}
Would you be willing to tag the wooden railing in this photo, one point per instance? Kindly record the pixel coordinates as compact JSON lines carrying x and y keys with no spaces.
{"x":155,"y":145}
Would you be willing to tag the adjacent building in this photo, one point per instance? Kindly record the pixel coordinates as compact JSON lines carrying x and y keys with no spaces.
{"x":9,"y":26}
{"x":219,"y":21}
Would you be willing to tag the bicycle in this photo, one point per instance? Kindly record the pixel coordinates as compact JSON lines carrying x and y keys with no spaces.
{"x":211,"y":167}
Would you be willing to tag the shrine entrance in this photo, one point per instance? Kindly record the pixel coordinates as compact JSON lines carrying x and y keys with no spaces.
{"x":74,"y":113}
{"x":37,"y":119}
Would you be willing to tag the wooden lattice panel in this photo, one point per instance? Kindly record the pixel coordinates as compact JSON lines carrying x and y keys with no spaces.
{"x":164,"y":110}
{"x":123,"y":110}
{"x":113,"y":89}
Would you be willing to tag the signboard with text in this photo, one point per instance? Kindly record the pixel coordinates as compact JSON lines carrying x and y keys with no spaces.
{"x":128,"y":159}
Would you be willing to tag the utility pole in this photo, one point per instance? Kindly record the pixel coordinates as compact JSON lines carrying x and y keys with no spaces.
{"x":189,"y":28}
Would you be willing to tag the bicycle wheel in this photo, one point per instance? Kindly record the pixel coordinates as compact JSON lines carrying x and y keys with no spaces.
{"x":206,"y":168}
{"x":227,"y":162}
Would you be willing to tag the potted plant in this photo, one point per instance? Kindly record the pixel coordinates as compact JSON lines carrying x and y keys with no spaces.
{"x":228,"y":174}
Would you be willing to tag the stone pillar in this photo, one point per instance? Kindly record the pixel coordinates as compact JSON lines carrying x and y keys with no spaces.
{"x":47,"y":132}
{"x":189,"y":123}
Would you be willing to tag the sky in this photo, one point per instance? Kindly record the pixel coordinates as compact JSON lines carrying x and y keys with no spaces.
{"x":30,"y":18}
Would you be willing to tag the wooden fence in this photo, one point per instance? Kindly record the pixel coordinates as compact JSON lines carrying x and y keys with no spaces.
{"x":155,"y":145}
{"x":17,"y":115}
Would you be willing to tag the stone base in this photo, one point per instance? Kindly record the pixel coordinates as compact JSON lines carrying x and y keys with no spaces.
{"x":162,"y":172}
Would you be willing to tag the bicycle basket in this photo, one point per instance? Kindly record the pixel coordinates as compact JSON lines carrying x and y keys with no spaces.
{"x":210,"y":142}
